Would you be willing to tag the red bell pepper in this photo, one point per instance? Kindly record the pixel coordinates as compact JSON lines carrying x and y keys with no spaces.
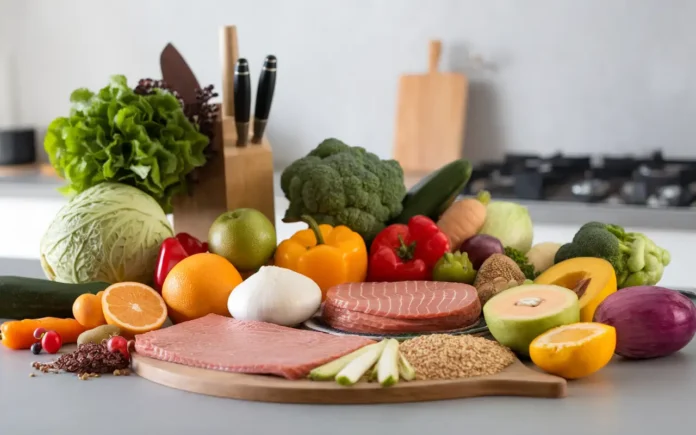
{"x":407,"y":252}
{"x":191,"y":244}
{"x":173,"y":250}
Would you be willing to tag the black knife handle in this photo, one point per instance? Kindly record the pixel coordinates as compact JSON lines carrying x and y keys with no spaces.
{"x":242,"y":91}
{"x":264,"y":93}
{"x":264,"y":97}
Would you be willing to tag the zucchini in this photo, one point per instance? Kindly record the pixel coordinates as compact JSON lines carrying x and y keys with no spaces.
{"x":432,"y":195}
{"x":31,"y":298}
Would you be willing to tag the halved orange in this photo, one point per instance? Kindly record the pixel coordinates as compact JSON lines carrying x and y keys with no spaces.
{"x":574,"y":351}
{"x":135,"y":308}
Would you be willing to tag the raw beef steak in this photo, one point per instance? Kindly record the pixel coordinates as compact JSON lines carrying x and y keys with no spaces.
{"x":405,"y":306}
{"x":222,"y":343}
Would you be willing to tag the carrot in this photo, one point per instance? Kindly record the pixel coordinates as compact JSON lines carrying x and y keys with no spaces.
{"x":19,"y":334}
{"x":464,"y":219}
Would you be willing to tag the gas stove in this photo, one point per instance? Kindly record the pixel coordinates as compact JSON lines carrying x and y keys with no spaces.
{"x":650,"y":181}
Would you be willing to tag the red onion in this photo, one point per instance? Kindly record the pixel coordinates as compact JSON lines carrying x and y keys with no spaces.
{"x":650,"y":321}
{"x":480,"y":247}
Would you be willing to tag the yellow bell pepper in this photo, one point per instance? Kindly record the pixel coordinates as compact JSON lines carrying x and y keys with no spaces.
{"x":328,"y":255}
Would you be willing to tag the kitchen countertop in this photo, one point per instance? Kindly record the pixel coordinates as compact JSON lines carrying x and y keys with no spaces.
{"x":636,"y":397}
{"x":33,"y":186}
{"x":34,"y":201}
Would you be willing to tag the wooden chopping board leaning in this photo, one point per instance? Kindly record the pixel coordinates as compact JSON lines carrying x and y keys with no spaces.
{"x":431,"y":117}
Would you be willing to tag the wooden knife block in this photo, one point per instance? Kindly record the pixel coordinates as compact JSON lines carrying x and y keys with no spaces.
{"x":234,"y":177}
{"x":248,"y":173}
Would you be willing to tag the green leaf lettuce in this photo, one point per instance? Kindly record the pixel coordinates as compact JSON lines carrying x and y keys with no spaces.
{"x":116,"y":135}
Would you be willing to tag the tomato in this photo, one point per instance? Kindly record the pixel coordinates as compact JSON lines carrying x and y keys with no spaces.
{"x":51,"y":342}
{"x":118,"y":344}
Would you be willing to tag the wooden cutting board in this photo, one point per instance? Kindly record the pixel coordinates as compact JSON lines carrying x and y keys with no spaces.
{"x":431,"y":117}
{"x":516,"y":380}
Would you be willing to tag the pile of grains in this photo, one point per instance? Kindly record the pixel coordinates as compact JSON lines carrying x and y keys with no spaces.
{"x":442,"y":356}
{"x":89,"y":360}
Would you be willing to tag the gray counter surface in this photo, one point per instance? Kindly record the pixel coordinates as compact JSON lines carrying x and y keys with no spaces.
{"x":645,"y":397}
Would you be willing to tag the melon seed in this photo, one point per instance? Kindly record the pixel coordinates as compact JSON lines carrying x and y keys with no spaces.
{"x":581,"y":287}
{"x":529,"y":302}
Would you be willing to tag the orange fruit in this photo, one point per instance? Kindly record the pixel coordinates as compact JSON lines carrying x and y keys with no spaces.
{"x":87,"y":310}
{"x":199,"y":285}
{"x":135,"y":308}
{"x":574,"y":351}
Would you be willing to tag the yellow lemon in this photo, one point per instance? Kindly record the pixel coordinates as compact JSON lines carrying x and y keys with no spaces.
{"x":574,"y":351}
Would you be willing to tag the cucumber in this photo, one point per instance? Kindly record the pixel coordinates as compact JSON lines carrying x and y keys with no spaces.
{"x":355,"y":370}
{"x":406,"y":370}
{"x":31,"y":298}
{"x":329,"y":370}
{"x":432,"y":195}
{"x":388,"y":364}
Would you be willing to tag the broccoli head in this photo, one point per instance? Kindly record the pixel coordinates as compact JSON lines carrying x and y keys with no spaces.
{"x":635,"y":258}
{"x":338,"y":184}
{"x":596,"y":239}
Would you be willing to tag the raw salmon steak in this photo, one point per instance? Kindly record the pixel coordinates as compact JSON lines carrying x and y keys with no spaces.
{"x":221,"y":343}
{"x":399,"y":307}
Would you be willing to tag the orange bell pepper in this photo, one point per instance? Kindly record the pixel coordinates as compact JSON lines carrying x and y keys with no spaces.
{"x":328,"y":255}
{"x":19,"y":334}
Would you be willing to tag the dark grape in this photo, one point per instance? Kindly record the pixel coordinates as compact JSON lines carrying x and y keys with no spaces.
{"x":36,"y":348}
{"x":38,"y":333}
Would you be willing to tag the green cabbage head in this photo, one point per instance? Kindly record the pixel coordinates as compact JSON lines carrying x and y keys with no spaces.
{"x":510,"y":223}
{"x":110,"y":232}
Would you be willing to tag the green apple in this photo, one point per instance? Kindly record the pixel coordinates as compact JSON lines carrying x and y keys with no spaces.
{"x":245,"y":237}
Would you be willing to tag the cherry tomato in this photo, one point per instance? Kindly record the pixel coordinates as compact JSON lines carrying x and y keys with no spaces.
{"x":51,"y":341}
{"x":118,"y":344}
{"x":38,"y":333}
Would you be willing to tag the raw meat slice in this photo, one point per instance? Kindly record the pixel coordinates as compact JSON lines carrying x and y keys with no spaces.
{"x":353,"y":321}
{"x":405,"y":306}
{"x":404,"y":299}
{"x":221,"y":343}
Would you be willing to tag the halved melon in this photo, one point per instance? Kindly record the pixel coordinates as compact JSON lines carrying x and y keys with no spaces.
{"x":518,"y":315}
{"x":592,"y":279}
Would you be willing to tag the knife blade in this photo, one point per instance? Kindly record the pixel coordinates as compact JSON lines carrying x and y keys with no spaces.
{"x":264,"y":97}
{"x":177,"y":74}
{"x":242,"y":101}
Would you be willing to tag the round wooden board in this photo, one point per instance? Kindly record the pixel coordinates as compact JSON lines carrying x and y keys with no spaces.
{"x":516,"y":380}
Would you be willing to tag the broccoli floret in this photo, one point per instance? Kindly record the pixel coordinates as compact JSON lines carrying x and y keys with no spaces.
{"x":614,"y":229}
{"x":595,"y":239}
{"x":338,"y":184}
{"x":635,"y":258}
{"x":522,"y":261}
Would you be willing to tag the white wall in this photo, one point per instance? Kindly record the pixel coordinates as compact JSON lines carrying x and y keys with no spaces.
{"x":594,"y":75}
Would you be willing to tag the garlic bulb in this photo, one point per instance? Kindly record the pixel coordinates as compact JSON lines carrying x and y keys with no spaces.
{"x":275,"y":295}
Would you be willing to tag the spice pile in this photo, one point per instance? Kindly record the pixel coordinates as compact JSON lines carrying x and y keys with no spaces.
{"x":442,"y":356}
{"x":89,"y":360}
